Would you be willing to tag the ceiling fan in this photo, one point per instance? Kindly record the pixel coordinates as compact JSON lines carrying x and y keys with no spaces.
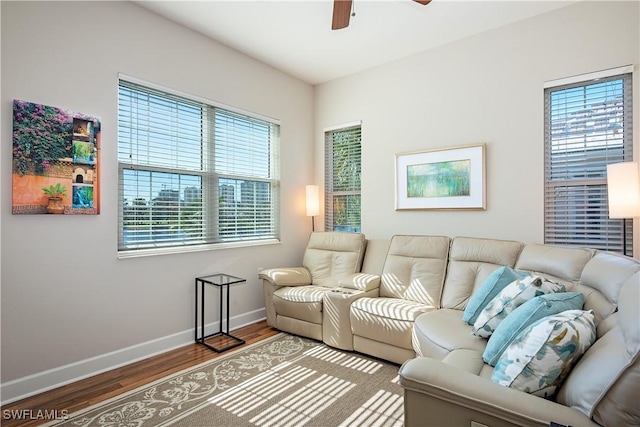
{"x":342,"y":12}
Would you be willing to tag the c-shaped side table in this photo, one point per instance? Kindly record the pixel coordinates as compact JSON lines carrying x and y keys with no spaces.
{"x":221,"y":281}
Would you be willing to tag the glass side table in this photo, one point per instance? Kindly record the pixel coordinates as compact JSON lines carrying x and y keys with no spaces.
{"x":221,"y":281}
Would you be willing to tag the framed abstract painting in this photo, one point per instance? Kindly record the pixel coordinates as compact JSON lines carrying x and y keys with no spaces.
{"x":447,"y":178}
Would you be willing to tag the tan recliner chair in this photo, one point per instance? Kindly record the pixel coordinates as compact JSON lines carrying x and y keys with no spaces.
{"x":313,"y":300}
{"x":411,"y":284}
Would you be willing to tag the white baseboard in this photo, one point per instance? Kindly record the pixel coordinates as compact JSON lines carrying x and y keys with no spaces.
{"x":31,"y":385}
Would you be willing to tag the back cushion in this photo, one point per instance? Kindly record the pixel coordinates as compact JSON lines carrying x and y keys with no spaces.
{"x":601,"y":281}
{"x":375,"y":255}
{"x":415,"y":268}
{"x":605,"y":384}
{"x":330,"y":256}
{"x":471,"y":260}
{"x":557,"y":263}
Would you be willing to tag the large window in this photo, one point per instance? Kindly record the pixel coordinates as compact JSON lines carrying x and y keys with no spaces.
{"x":342,"y":179}
{"x":192,"y":174}
{"x":588,"y":124}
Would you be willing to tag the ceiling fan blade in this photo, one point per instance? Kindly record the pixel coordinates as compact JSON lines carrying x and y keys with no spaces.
{"x":423,"y":2}
{"x":341,"y":14}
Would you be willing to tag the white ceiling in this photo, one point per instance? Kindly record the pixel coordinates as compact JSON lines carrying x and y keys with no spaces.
{"x":295,"y":36}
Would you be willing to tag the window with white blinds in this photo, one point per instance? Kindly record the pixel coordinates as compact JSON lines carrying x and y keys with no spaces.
{"x":342,"y":179}
{"x":192,"y":174}
{"x":587,"y":126}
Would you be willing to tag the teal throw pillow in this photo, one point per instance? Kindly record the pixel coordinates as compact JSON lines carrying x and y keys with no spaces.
{"x":511,"y":297}
{"x":542,"y":356}
{"x":492,"y":285}
{"x":523,"y":316}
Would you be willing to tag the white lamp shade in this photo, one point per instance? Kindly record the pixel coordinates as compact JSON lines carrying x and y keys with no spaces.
{"x":313,"y":200}
{"x":624,"y":190}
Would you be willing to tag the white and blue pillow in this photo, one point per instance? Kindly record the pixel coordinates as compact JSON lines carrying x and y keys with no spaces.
{"x":541,"y":357}
{"x":513,"y":295}
{"x":526,"y":314}
{"x":492,"y":285}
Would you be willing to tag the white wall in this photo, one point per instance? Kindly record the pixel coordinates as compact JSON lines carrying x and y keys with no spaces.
{"x":66,"y":298}
{"x":488,"y":88}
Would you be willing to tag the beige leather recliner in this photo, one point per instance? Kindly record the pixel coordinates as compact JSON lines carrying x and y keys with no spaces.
{"x":313,"y":300}
{"x":411,"y":284}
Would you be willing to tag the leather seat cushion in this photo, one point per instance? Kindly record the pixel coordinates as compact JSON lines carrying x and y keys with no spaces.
{"x":443,"y":331}
{"x":300,"y":302}
{"x":388,"y":320}
{"x":469,"y":361}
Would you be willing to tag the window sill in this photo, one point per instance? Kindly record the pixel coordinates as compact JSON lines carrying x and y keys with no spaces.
{"x":137,"y":253}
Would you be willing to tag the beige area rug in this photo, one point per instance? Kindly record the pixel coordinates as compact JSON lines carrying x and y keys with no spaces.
{"x":282,"y":381}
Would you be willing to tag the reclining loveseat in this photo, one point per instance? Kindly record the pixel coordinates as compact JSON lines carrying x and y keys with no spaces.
{"x":404,"y":300}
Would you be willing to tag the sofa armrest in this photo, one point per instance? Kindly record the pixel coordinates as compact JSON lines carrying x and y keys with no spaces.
{"x":437,"y":393}
{"x":275,"y":278}
{"x":336,"y":320}
{"x":293,"y":276}
{"x":360,"y":281}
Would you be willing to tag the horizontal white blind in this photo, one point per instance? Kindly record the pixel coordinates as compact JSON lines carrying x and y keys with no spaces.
{"x":244,"y":166}
{"x":191,"y":173}
{"x":342,"y":179}
{"x":587,"y":126}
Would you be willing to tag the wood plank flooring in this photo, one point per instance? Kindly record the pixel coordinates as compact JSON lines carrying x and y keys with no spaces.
{"x":87,"y":392}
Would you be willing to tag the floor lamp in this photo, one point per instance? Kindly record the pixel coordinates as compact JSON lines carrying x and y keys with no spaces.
{"x":623,"y":188}
{"x":313,"y":203}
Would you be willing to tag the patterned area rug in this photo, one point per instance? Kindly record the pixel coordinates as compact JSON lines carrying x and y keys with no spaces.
{"x":281,"y":381}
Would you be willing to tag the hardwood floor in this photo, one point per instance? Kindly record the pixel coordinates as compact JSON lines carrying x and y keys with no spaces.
{"x":81,"y":394}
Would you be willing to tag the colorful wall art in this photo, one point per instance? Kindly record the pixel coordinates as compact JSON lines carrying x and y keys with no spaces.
{"x":56,"y":163}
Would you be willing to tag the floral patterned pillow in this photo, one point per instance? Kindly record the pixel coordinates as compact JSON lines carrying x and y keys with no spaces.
{"x":523,"y":316}
{"x":492,"y":285}
{"x":542,"y":356}
{"x":513,"y":295}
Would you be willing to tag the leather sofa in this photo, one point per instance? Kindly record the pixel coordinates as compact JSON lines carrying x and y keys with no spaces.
{"x":403,"y":300}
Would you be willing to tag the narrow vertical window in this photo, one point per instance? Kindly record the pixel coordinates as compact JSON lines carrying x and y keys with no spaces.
{"x":588,"y":124}
{"x":342,"y":179}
